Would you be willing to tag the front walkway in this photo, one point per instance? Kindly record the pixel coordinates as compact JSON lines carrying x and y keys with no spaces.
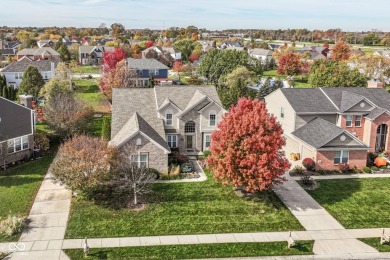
{"x":315,"y":218}
{"x":346,"y":176}
{"x":48,"y":216}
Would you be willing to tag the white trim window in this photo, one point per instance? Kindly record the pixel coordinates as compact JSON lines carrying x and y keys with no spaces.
{"x":282,"y":112}
{"x":207,"y":141}
{"x":168,"y":117}
{"x":18,"y":75}
{"x":156,"y":72}
{"x":172,"y":141}
{"x":212,"y":118}
{"x":341,"y":157}
{"x":141,"y":160}
{"x":18,"y":144}
{"x":358,"y":121}
{"x":348,"y":120}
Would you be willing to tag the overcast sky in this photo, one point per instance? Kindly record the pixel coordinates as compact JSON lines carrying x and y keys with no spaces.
{"x":349,"y":15}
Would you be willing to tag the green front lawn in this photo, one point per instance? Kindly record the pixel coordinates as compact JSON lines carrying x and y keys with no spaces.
{"x":356,"y":203}
{"x":18,"y":187}
{"x":300,"y":82}
{"x":86,"y":69}
{"x":88,"y":91}
{"x":196,"y":251}
{"x":183,"y":208}
{"x":375,"y":243}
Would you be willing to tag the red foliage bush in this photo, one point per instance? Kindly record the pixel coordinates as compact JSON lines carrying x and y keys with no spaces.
{"x":309,"y":164}
{"x":344,"y":167}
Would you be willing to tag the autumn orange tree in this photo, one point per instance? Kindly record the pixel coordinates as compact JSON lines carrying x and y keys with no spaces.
{"x":340,"y":51}
{"x":290,"y":64}
{"x":83,"y":163}
{"x":246,"y":150}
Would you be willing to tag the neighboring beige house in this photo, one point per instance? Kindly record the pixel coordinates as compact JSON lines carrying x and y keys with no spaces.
{"x":262,"y":55}
{"x":333,"y":125}
{"x":44,"y":53}
{"x":157,"y":119}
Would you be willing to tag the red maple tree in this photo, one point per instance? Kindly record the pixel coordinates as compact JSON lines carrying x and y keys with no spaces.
{"x":246,"y":150}
{"x":111,"y":58}
{"x":194,"y":56}
{"x":149,"y":44}
{"x":290,"y":64}
{"x":326,"y":45}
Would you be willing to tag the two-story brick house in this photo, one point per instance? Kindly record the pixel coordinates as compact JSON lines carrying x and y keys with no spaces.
{"x":333,"y":125}
{"x":164,"y":117}
{"x":17,"y":126}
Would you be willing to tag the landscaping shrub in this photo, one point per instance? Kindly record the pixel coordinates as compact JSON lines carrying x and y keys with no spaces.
{"x":155,"y":172}
{"x":186,"y":167}
{"x":374,"y":168}
{"x":12,"y":225}
{"x":321,"y":172}
{"x":106,"y":128}
{"x":384,"y":167}
{"x":307,"y":180}
{"x":298,"y":170}
{"x":344,"y":167}
{"x":177,"y":158}
{"x":309,"y":164}
{"x":41,"y":141}
{"x":172,"y":174}
{"x":206,"y":153}
{"x":329,"y":171}
{"x":367,"y":170}
{"x":371,"y":158}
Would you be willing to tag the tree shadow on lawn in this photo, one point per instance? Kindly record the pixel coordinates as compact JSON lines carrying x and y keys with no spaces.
{"x":333,"y":191}
{"x":15,"y":180}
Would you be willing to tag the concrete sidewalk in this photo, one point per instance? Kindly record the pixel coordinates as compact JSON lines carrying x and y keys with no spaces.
{"x":313,"y":217}
{"x":48,"y":216}
{"x":344,"y":176}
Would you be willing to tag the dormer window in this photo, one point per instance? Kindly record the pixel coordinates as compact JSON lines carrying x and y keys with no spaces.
{"x":168,"y":118}
{"x":212,"y":118}
{"x":358,"y":121}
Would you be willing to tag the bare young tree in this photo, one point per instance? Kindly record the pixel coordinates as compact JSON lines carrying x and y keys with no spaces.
{"x":3,"y":153}
{"x":131,"y":177}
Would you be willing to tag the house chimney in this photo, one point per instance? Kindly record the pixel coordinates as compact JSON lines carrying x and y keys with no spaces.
{"x":374,"y":84}
{"x":26,"y":100}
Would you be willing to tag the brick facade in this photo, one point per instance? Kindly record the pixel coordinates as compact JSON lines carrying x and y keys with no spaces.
{"x":355,"y":130}
{"x":157,"y":159}
{"x":324,"y":159}
{"x":382,"y":119}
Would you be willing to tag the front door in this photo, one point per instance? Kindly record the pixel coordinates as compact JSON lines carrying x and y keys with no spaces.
{"x":189,"y":142}
{"x":381,"y":134}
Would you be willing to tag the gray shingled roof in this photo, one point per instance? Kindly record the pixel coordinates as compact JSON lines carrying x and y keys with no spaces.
{"x":39,"y":51}
{"x":21,"y":66}
{"x":89,"y":49}
{"x":181,"y":95}
{"x":319,"y":132}
{"x":259,"y":51}
{"x":378,"y":96}
{"x":145,"y":64}
{"x":128,"y":102}
{"x":348,"y":100}
{"x":137,"y":124}
{"x":376,"y":112}
{"x":308,"y":100}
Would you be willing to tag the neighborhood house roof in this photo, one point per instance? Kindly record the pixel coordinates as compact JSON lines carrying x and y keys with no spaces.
{"x":145,"y":64}
{"x":90,"y":49}
{"x":260,"y":52}
{"x":319,"y":132}
{"x":40,"y":51}
{"x":21,"y":66}
{"x":135,"y":109}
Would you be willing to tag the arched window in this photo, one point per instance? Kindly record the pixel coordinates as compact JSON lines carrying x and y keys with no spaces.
{"x":168,"y":117}
{"x":189,"y":127}
{"x":212,"y":118}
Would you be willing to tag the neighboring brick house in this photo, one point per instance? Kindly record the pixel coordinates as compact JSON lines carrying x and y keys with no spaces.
{"x":333,"y":125}
{"x":92,"y":55}
{"x":14,"y":71}
{"x":146,"y":67}
{"x":157,"y":119}
{"x":44,"y":53}
{"x":16,"y":132}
